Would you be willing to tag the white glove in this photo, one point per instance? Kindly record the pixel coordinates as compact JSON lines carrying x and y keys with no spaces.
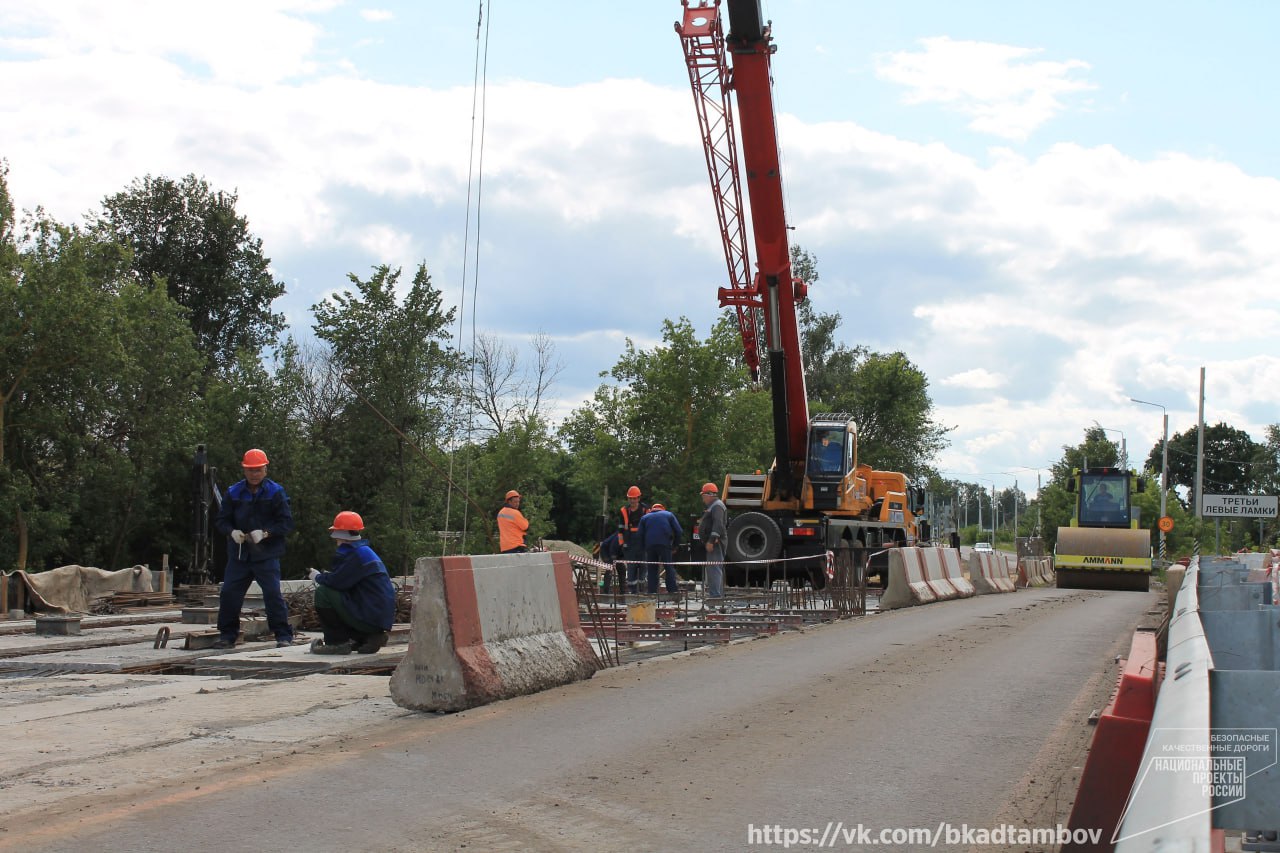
{"x":257,"y":535}
{"x":312,"y":574}
{"x":238,"y":537}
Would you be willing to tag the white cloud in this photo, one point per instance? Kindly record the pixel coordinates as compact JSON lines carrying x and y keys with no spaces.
{"x":979,"y":378}
{"x":377,"y":15}
{"x":1006,"y":93}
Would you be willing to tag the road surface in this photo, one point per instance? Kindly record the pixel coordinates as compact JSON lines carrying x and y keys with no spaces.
{"x":905,"y":719}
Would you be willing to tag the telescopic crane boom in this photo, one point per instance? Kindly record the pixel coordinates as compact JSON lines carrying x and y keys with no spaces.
{"x":817,"y":497}
{"x":774,"y":290}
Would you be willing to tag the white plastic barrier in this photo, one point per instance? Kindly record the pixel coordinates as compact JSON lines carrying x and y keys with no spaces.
{"x":990,"y":573}
{"x":922,"y":576}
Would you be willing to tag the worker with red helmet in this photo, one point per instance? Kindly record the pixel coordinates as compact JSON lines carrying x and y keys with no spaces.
{"x":512,"y":525}
{"x":255,"y":517}
{"x":355,"y":600}
{"x":660,"y":532}
{"x":712,"y":533}
{"x":632,"y":545}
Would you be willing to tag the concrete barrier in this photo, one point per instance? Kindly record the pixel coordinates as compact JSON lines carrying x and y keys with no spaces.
{"x":1035,"y":571}
{"x":953,"y":570}
{"x":491,"y":627}
{"x":990,"y":573}
{"x":922,"y":576}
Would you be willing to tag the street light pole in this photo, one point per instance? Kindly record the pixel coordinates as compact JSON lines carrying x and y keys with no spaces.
{"x":1124,"y":450}
{"x":1164,"y":465}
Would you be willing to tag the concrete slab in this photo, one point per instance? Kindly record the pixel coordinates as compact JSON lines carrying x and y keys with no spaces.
{"x":114,"y":658}
{"x":71,"y":736}
{"x":15,"y":645}
{"x":295,"y":660}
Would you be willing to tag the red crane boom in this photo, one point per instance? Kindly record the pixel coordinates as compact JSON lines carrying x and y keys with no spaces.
{"x":773,"y":290}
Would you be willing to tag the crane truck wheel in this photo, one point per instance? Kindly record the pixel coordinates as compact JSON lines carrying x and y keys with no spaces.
{"x":752,"y":536}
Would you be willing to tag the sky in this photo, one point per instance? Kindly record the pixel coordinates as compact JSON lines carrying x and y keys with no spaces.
{"x":1049,"y":209}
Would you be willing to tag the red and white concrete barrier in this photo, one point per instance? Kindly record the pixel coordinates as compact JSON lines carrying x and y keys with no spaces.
{"x":921,"y":576}
{"x":990,"y":573}
{"x":1035,"y":571}
{"x":491,"y":627}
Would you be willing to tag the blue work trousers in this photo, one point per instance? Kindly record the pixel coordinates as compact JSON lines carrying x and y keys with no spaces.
{"x":658,"y":557}
{"x":235,"y":583}
{"x":713,"y":576}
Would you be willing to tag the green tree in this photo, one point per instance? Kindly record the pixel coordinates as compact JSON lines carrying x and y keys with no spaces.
{"x":188,"y":236}
{"x":676,"y":416}
{"x":57,"y":309}
{"x":394,"y":353}
{"x":1234,"y":464}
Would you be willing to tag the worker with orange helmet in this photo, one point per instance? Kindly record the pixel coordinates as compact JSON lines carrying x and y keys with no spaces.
{"x":355,"y":600}
{"x":632,"y":545}
{"x":660,"y":532}
{"x":255,"y":517}
{"x":512,"y":525}
{"x":712,"y":533}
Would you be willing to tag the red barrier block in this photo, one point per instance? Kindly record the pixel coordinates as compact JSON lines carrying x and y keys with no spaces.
{"x":1118,"y":743}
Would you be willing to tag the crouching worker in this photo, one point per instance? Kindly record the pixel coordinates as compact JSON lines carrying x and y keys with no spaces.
{"x":355,"y":601}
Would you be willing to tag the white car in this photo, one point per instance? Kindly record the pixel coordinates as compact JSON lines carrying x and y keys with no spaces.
{"x":983,"y":546}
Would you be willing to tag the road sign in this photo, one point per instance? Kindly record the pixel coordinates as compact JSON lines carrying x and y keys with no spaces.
{"x":1239,"y":506}
{"x":1165,"y":523}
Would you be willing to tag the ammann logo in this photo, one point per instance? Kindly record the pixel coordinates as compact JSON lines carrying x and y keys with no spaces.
{"x":1104,"y":561}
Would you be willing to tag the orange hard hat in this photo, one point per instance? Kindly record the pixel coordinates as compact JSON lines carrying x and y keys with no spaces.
{"x":348,"y":520}
{"x":657,"y":507}
{"x":254,"y":458}
{"x":633,"y":492}
{"x":710,"y":489}
{"x":512,"y":494}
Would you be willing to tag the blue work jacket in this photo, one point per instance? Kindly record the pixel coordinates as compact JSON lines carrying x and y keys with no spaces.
{"x":358,"y":573}
{"x":267,"y":509}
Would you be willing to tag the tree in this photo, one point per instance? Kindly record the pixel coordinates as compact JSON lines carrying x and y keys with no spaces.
{"x":393,"y":353}
{"x":1234,"y":464}
{"x":56,"y":315}
{"x":189,"y":237}
{"x":675,"y":417}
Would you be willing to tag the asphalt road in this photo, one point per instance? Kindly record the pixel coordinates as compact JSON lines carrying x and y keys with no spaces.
{"x":899,"y":720}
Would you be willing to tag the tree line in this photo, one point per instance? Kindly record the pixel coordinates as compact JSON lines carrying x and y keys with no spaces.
{"x":128,"y":340}
{"x":1234,"y":464}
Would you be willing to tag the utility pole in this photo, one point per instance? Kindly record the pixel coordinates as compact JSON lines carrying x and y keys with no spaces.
{"x":1200,"y":463}
{"x":1164,"y":466}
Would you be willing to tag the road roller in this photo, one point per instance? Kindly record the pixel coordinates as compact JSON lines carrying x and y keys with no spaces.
{"x":1103,"y":548}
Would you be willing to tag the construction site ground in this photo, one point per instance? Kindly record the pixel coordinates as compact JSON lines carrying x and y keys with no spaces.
{"x":968,"y":712}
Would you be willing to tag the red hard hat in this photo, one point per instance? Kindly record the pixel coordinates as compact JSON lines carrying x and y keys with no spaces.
{"x":710,"y":489}
{"x":348,"y":520}
{"x":633,"y":492}
{"x":512,"y":494}
{"x":657,"y":507}
{"x":254,"y":458}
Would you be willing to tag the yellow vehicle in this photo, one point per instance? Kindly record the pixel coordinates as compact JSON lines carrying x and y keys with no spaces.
{"x":839,"y":503}
{"x":1103,"y":548}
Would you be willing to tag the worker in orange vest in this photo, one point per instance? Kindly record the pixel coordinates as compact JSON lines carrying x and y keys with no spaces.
{"x":512,"y":525}
{"x":632,"y":545}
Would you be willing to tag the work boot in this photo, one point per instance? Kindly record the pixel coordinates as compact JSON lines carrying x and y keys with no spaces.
{"x":320,"y":647}
{"x":372,"y":643}
{"x":223,"y":644}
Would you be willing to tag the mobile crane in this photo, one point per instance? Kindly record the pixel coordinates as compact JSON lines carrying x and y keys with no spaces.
{"x":817,"y":496}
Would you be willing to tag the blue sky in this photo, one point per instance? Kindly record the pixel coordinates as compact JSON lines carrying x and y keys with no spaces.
{"x":1049,"y":209}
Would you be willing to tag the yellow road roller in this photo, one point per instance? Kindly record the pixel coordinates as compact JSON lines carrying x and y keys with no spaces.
{"x":1103,"y":548}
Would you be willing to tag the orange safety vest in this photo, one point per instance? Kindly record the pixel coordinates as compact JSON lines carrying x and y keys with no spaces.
{"x":511,"y":528}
